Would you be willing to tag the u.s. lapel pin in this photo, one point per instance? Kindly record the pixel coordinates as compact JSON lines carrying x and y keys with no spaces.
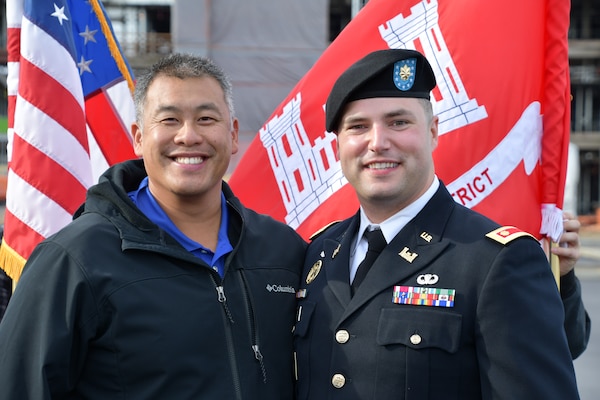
{"x":314,"y":271}
{"x":407,"y":255}
{"x":426,"y":236}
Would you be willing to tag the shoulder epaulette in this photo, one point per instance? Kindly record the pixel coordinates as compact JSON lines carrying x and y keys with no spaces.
{"x":323,"y":229}
{"x":506,"y":234}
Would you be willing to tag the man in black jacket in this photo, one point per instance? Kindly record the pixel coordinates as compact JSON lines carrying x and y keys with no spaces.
{"x":454,"y":305}
{"x":164,"y":286}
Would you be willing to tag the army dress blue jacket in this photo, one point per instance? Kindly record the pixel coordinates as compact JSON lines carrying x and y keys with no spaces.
{"x":491,"y":328}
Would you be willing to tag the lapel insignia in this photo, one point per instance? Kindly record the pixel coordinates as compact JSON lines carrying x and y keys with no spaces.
{"x":420,"y":296}
{"x":407,"y":255}
{"x":300,"y":294}
{"x":428,"y":279}
{"x":426,"y":236}
{"x":322,"y":254}
{"x":314,"y":271}
{"x":336,"y":251}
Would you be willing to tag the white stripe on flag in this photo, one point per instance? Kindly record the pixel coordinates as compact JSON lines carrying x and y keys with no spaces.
{"x":32,"y":125}
{"x":25,"y":202}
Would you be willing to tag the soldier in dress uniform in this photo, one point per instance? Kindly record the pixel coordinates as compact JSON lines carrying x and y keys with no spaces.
{"x":454,"y":306}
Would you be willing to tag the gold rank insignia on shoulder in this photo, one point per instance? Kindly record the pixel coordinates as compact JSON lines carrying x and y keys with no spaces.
{"x":323,"y":229}
{"x":314,"y":271}
{"x":507,"y":234}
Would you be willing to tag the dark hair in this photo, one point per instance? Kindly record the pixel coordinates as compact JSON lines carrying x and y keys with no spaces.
{"x":181,"y":66}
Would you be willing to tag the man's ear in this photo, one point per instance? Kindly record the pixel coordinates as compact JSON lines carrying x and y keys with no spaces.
{"x":235,"y":127}
{"x":434,"y":129}
{"x":136,"y":133}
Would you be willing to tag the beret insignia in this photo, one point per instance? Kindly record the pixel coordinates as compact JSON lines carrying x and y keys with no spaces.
{"x":404,"y":74}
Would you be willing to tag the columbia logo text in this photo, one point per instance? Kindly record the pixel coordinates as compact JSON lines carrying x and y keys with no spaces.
{"x":281,"y":289}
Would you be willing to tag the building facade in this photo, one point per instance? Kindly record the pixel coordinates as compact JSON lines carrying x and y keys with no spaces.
{"x":584,"y":60}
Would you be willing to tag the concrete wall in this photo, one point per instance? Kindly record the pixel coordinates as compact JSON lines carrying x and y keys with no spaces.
{"x":259,"y":43}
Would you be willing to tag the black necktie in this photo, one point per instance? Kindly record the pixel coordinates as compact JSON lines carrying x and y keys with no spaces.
{"x":376,"y":244}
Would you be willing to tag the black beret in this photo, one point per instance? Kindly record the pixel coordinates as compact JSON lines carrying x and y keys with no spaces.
{"x":382,"y":73}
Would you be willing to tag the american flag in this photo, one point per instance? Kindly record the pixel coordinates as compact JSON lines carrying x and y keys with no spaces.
{"x":70,"y":111}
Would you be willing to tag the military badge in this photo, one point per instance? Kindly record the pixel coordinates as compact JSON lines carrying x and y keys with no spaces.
{"x":404,"y":73}
{"x":420,"y":296}
{"x":408,"y":255}
{"x":314,"y":271}
{"x":427,"y":279}
{"x":426,"y":236}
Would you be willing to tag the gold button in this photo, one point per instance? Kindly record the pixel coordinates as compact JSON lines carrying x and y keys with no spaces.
{"x":342,"y":336}
{"x":338,"y":381}
{"x":415,"y":339}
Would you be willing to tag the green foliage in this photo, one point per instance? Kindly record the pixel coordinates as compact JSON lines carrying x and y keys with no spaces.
{"x":3,"y":125}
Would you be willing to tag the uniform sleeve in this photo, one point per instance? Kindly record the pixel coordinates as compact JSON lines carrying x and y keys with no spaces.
{"x":42,"y":345}
{"x":577,"y":320}
{"x":521,"y":343}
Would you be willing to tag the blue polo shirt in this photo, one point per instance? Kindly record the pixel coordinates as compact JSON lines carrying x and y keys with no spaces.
{"x":146,"y":202}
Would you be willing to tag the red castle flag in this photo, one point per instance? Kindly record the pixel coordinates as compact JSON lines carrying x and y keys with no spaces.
{"x":70,"y":111}
{"x":502,"y":96}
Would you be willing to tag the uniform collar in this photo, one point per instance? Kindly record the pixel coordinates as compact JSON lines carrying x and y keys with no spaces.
{"x":394,"y":224}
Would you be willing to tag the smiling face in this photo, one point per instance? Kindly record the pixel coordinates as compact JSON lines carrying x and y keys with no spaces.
{"x":186,"y":138}
{"x":385,"y":148}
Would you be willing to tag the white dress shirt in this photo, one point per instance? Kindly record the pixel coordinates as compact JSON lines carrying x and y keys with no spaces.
{"x":390,"y":227}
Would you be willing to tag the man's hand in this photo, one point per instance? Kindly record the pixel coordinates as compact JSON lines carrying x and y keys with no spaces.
{"x":568,"y":249}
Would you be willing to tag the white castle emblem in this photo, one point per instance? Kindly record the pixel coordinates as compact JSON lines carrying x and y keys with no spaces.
{"x":308,"y":174}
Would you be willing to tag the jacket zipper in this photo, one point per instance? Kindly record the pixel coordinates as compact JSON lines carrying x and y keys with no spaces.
{"x":229,"y":338}
{"x":253,"y":326}
{"x":249,"y":308}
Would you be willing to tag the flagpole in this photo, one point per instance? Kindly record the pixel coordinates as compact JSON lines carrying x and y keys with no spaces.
{"x":553,"y":259}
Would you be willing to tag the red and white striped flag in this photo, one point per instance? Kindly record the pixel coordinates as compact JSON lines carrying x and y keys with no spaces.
{"x":69,"y":116}
{"x":502,"y":95}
